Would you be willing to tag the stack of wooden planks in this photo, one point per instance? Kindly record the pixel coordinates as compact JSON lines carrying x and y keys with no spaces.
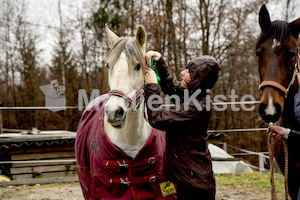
{"x":45,"y":162}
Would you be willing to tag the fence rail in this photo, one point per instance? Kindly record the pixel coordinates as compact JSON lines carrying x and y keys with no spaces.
{"x":74,"y":107}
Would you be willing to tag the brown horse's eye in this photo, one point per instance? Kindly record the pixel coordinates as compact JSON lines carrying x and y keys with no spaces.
{"x":292,"y":54}
{"x":138,"y":66}
{"x":259,"y":53}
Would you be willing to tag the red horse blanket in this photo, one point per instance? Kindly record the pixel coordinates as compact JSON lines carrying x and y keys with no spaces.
{"x":106,"y":172}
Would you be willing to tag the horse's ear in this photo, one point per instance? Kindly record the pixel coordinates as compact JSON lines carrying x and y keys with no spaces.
{"x":264,"y":18}
{"x":141,"y":37}
{"x":295,"y":28}
{"x":112,"y":37}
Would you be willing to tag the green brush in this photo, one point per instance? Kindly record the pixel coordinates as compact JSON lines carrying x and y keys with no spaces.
{"x":155,"y":70}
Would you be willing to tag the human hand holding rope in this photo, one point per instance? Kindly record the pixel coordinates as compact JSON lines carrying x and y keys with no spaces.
{"x":278,"y":131}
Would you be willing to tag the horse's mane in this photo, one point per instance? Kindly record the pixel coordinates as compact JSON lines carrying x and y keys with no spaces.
{"x":132,"y":50}
{"x":279,"y":29}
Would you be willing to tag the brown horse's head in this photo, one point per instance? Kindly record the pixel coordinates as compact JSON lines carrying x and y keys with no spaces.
{"x":276,"y":51}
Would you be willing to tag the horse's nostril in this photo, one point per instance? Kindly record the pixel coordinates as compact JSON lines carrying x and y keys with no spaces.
{"x":262,"y":106}
{"x":278,"y":108}
{"x":119,"y":113}
{"x":114,"y":113}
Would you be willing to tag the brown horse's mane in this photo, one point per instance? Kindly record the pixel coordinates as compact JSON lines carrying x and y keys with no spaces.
{"x":279,"y":29}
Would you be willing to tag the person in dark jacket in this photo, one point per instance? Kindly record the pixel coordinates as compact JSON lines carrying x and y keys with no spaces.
{"x":288,"y":134}
{"x":297,"y":101}
{"x":187,"y":158}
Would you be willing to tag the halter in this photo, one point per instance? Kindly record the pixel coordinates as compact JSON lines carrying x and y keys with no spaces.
{"x":277,"y":85}
{"x":132,"y":101}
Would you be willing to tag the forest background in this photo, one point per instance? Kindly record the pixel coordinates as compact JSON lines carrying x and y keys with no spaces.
{"x":67,"y":43}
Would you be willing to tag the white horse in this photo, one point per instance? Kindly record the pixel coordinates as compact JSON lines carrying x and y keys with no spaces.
{"x":119,"y":155}
{"x":126,"y":128}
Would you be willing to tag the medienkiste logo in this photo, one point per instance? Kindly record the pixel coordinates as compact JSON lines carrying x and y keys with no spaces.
{"x":54,"y":96}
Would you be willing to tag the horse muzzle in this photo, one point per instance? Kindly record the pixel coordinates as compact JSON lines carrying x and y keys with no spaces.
{"x":270,"y":112}
{"x":116,"y":116}
{"x":272,"y":103}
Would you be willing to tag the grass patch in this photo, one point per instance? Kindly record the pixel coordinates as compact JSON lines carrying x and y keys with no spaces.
{"x":255,"y":180}
{"x":36,"y":175}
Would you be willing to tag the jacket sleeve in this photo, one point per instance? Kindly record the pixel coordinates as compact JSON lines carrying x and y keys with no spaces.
{"x":186,"y":114}
{"x":169,"y":84}
{"x":297,"y":106}
{"x":294,"y":135}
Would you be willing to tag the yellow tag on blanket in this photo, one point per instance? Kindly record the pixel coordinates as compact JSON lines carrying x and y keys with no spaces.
{"x":167,"y":188}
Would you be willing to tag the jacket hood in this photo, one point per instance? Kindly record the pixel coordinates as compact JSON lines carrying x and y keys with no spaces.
{"x":204,"y":72}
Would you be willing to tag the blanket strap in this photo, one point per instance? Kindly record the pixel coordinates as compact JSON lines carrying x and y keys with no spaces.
{"x":136,"y":180}
{"x":131,"y":180}
{"x":129,"y":164}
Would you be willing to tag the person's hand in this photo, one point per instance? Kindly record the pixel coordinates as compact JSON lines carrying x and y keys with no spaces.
{"x":298,"y":78}
{"x":150,"y":76}
{"x":155,"y":54}
{"x":278,"y":129}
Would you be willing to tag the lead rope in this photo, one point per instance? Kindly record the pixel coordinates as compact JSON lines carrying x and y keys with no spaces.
{"x":286,"y":168}
{"x":272,"y":165}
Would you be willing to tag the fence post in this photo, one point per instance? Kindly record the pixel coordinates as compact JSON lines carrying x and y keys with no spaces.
{"x":225,"y":146}
{"x":261,"y":162}
{"x":1,"y":125}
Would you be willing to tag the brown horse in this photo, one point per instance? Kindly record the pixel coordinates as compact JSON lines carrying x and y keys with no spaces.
{"x":277,"y":50}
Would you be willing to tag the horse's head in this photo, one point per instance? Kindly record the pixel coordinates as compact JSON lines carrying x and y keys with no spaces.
{"x":126,"y":68}
{"x":276,"y":51}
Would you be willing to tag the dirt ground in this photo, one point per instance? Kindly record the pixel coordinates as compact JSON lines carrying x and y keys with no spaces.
{"x":72,"y":191}
{"x":239,"y":193}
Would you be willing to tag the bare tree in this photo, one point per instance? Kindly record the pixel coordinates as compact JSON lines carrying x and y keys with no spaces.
{"x":27,"y":66}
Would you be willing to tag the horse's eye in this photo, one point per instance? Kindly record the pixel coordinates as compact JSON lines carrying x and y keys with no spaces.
{"x":292,"y":53}
{"x":107,"y":65}
{"x":138,"y":66}
{"x":259,"y":53}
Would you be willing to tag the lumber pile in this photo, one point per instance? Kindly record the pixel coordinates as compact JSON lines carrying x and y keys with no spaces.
{"x":46,"y":162}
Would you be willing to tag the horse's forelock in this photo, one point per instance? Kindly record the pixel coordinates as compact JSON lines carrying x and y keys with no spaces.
{"x":279,"y":29}
{"x":132,"y":50}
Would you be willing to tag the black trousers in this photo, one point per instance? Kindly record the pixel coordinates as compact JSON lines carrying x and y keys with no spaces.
{"x":185,"y":192}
